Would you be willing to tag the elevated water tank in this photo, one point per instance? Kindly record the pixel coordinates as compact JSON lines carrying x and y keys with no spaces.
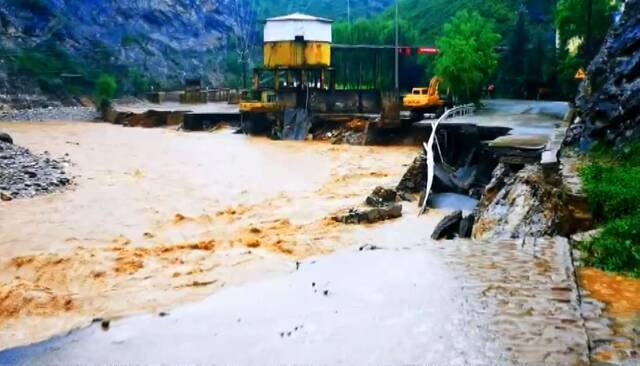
{"x":297,"y":40}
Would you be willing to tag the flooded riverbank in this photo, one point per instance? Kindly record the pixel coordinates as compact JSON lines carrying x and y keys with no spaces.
{"x":160,"y":217}
{"x":402,"y":302}
{"x":171,"y":239}
{"x":616,"y":331}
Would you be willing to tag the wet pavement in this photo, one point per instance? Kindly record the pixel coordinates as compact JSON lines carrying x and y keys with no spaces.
{"x":533,"y":119}
{"x":457,"y":302}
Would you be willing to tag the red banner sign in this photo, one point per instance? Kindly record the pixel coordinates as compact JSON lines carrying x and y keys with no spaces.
{"x":427,"y":51}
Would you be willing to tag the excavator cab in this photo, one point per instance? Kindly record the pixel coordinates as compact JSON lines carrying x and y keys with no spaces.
{"x":425,"y":100}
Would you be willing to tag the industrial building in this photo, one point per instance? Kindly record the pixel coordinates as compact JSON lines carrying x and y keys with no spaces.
{"x":297,"y":85}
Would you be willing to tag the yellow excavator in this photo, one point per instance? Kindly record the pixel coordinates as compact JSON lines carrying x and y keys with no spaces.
{"x":425,"y":100}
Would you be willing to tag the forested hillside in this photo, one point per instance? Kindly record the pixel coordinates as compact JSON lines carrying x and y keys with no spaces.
{"x":62,"y":47}
{"x":333,"y":9}
{"x":427,"y":18}
{"x":533,"y":61}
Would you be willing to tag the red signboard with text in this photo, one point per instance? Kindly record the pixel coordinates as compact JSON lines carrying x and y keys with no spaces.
{"x":427,"y":51}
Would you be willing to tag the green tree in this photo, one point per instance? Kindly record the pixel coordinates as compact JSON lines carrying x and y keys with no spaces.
{"x":427,"y":18}
{"x":139,"y":82}
{"x":105,"y":89}
{"x":515,"y":58}
{"x":467,"y":55}
{"x":571,"y":20}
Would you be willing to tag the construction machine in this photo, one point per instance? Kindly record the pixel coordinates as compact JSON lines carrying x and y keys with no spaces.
{"x":425,"y":100}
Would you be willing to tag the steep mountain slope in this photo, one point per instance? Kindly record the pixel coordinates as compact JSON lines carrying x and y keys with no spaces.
{"x":609,"y":99}
{"x":65,"y":43}
{"x":61,"y":47}
{"x":428,"y":17}
{"x":333,"y":9}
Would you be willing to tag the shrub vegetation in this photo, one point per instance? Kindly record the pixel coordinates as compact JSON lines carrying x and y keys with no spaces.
{"x":612,"y":183}
{"x":105,"y":89}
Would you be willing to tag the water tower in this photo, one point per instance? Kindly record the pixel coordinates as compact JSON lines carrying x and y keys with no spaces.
{"x":296,"y":53}
{"x":297,"y":41}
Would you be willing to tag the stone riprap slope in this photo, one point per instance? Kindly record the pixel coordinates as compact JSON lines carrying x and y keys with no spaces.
{"x":24,"y":174}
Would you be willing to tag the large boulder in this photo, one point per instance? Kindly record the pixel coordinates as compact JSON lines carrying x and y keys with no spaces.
{"x":381,"y":197}
{"x":414,"y":178}
{"x":5,"y":137}
{"x":448,"y":227}
{"x":608,"y":103}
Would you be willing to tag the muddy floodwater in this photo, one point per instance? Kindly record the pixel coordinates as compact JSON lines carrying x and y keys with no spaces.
{"x":159,"y":217}
{"x":176,"y":247}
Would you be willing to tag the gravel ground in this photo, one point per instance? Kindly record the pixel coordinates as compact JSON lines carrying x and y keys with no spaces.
{"x":51,"y":113}
{"x":24,"y":174}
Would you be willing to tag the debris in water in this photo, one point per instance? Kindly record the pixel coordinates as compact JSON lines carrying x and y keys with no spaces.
{"x":381,"y":197}
{"x":372,"y":215}
{"x":105,"y":325}
{"x":368,"y":247}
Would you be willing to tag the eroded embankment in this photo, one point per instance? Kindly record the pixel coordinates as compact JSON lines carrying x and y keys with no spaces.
{"x":160,"y":217}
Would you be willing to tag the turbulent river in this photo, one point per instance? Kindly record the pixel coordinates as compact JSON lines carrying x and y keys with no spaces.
{"x":228,"y":238}
{"x":158,"y":217}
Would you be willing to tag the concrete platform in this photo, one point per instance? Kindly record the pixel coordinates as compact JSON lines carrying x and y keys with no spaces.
{"x":209,"y":108}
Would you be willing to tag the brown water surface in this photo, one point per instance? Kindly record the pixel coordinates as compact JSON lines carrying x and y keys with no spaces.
{"x":160,"y":217}
{"x":621,"y":296}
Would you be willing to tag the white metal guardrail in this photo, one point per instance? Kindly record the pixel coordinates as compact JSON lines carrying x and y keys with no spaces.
{"x":457,"y":111}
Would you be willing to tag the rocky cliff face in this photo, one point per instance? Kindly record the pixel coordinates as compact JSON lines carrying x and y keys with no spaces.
{"x":165,"y":40}
{"x":336,"y":10}
{"x":609,"y":100}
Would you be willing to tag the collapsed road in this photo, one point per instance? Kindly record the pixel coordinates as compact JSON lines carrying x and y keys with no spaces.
{"x":242,"y":228}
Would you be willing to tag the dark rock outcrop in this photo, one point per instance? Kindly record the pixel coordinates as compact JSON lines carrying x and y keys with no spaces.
{"x":466,"y":226}
{"x":413,"y":180}
{"x":167,"y":40}
{"x":609,"y":100}
{"x":381,"y":197}
{"x":448,"y":227}
{"x":5,"y":137}
{"x":369,"y":216}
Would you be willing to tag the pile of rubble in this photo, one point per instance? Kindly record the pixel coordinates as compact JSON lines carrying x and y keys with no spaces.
{"x":353,"y":132}
{"x":24,"y":174}
{"x":51,"y":114}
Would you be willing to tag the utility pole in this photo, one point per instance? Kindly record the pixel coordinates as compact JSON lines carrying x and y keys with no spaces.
{"x":349,"y":13}
{"x":397,"y":82}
